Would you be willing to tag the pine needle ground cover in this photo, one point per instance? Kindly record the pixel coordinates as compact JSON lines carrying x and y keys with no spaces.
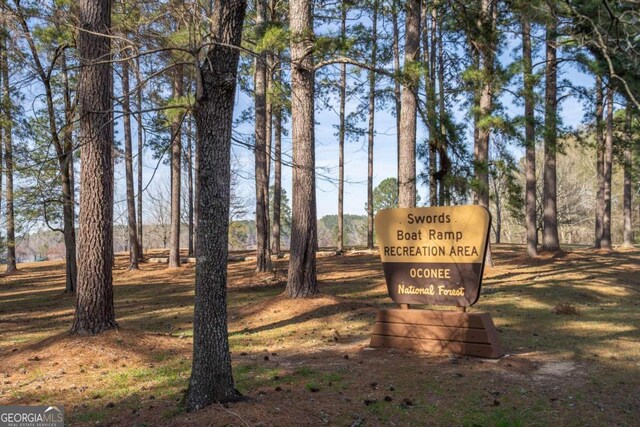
{"x":569,"y":323}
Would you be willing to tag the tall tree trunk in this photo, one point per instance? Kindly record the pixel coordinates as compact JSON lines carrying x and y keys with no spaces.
{"x":139,"y":84}
{"x":599,"y":161}
{"x":176,"y":176}
{"x":550,"y":239}
{"x":407,"y":141}
{"x":196,"y":193}
{"x":128,"y":163}
{"x":627,"y":190}
{"x":301,"y":281}
{"x":94,"y":302}
{"x":190,"y":183}
{"x":269,"y":127}
{"x":397,"y":92}
{"x":475,"y":58}
{"x":529,"y":139}
{"x":371,"y":130}
{"x":1,"y":131}
{"x":211,"y":374}
{"x":8,"y":159}
{"x":277,"y":178}
{"x":263,"y":255}
{"x":442,"y":143}
{"x":608,"y":167}
{"x":485,"y":104}
{"x":341,"y":134}
{"x":498,"y":220}
{"x":485,"y":59}
{"x":429,"y":57}
{"x":68,"y":188}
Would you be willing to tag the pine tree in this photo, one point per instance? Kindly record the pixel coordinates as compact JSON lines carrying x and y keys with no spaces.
{"x":8,"y":155}
{"x":530,"y":142}
{"x":550,"y":239}
{"x":263,"y":250}
{"x":407,"y":138}
{"x":94,"y":303}
{"x":211,"y":373}
{"x":134,"y":256}
{"x":301,"y":280}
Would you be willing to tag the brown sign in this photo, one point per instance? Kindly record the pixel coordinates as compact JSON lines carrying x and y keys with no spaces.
{"x":433,"y":255}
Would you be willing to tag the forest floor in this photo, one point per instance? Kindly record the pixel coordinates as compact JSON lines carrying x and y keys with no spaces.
{"x":308,"y":362}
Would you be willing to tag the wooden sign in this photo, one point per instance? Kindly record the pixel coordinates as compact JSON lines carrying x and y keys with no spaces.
{"x":433,"y":255}
{"x":472,"y":334}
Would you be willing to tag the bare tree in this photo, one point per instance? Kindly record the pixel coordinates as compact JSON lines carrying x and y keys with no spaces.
{"x":159,"y":208}
{"x":63,"y":146}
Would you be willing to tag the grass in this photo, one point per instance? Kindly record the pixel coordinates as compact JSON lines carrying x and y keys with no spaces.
{"x":305,"y":362}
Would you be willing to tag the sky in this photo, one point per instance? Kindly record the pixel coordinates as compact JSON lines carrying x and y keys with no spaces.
{"x":385,"y":150}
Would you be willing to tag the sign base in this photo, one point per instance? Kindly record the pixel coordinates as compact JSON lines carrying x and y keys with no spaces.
{"x":471,"y":334}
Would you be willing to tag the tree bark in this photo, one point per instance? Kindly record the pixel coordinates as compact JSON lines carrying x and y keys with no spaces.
{"x":397,"y":91}
{"x":277,"y":178}
{"x":550,"y":239}
{"x":429,"y":56}
{"x":68,"y":189}
{"x":371,"y":129}
{"x":600,"y":161}
{"x":628,"y":179}
{"x":443,"y":198}
{"x":190,"y":184}
{"x":94,"y":302}
{"x":341,"y":135}
{"x":196,"y":193}
{"x":485,"y":104}
{"x":498,"y":220}
{"x":211,"y":374}
{"x":529,"y":140}
{"x":1,"y":134}
{"x":269,"y":128}
{"x":139,"y":84}
{"x":608,"y":164}
{"x":8,"y":159}
{"x":263,"y":250}
{"x":128,"y":162}
{"x":407,"y":140}
{"x":301,"y":282}
{"x":176,"y":176}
